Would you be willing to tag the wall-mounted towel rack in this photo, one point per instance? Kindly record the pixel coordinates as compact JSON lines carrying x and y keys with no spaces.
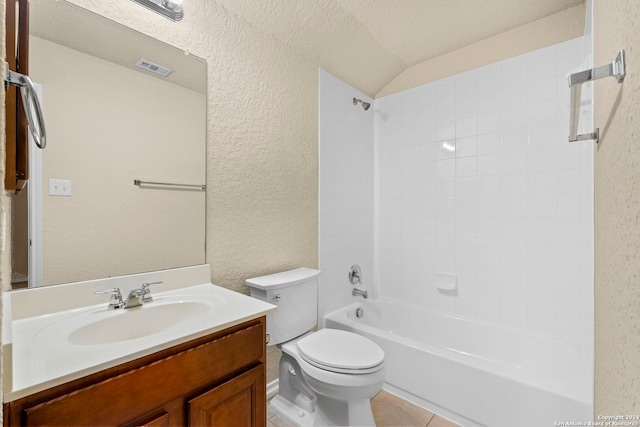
{"x":615,"y":69}
{"x":139,"y":182}
{"x":31,"y":103}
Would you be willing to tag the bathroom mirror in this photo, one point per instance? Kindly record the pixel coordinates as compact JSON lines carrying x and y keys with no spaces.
{"x":110,"y":122}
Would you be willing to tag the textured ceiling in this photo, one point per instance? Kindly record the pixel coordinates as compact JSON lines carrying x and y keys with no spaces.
{"x":366,"y":43}
{"x":369,"y":42}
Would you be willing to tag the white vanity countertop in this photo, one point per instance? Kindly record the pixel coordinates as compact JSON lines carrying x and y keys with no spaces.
{"x":43,"y":355}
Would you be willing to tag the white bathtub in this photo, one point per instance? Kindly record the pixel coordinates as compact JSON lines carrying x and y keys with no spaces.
{"x":474,"y":373}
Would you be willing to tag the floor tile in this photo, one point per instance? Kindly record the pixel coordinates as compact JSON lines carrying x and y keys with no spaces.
{"x":388,"y":409}
{"x":438,"y":421}
{"x":270,"y":411}
{"x":279,"y":421}
{"x":391,"y":410}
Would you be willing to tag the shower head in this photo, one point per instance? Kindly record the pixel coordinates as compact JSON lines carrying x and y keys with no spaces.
{"x":365,"y":105}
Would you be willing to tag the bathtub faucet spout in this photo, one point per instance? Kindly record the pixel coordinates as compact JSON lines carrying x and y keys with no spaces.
{"x":357,"y":292}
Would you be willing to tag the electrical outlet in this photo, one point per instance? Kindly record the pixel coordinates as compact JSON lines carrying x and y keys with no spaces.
{"x":59,"y":187}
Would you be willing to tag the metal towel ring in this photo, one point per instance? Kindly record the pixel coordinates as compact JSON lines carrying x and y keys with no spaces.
{"x":30,"y":99}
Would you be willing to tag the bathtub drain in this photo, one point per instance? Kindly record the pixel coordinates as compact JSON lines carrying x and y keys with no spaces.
{"x":359,"y":312}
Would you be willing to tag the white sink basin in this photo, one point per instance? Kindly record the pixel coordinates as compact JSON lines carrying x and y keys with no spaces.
{"x":102,"y":327}
{"x":61,"y":333}
{"x":138,"y":322}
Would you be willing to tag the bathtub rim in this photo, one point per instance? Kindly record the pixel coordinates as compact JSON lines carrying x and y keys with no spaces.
{"x":579,"y":397}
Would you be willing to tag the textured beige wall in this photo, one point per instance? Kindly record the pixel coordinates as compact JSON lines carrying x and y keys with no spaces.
{"x":133,"y":126}
{"x":557,"y":28}
{"x":262,"y":130}
{"x":262,"y":138}
{"x":262,"y":154}
{"x":617,"y":213}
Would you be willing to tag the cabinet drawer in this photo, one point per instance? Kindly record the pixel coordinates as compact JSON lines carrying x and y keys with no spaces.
{"x":124,"y":397}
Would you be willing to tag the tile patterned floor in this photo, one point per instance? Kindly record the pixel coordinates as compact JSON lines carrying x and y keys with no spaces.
{"x":389,"y":410}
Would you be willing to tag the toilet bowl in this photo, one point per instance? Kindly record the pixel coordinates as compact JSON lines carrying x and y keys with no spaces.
{"x":326,"y":378}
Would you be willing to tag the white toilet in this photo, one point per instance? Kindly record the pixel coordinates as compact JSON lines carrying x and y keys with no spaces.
{"x":327,"y":378}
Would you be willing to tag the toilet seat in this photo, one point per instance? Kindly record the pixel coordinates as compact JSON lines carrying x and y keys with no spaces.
{"x":341,"y":352}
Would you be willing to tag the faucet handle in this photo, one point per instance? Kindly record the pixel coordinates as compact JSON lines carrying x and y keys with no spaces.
{"x":116,"y":297}
{"x":146,"y":291}
{"x":355,"y":274}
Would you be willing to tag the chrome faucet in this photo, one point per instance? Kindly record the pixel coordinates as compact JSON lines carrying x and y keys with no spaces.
{"x":136,"y":297}
{"x":116,"y":298}
{"x":358,"y":293}
{"x":140,"y":296}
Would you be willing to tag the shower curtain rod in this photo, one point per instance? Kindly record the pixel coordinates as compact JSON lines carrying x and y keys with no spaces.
{"x":615,"y":69}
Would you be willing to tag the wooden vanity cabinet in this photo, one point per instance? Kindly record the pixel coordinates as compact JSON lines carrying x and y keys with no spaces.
{"x":216,"y":380}
{"x":16,"y":132}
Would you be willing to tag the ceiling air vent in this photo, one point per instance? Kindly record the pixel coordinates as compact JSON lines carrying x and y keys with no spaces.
{"x":154,"y":68}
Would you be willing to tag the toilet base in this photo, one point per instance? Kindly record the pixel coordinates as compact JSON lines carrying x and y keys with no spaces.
{"x":294,"y":414}
{"x":328,"y":412}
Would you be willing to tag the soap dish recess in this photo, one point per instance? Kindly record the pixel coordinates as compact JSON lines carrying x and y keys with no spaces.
{"x":446,"y":282}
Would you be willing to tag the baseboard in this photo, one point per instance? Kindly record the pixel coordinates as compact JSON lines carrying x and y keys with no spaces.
{"x":272,"y":389}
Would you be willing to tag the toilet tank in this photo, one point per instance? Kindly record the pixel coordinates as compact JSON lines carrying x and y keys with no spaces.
{"x":295,"y":292}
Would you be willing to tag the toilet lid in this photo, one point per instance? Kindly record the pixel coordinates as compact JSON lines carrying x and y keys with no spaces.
{"x":341,"y":351}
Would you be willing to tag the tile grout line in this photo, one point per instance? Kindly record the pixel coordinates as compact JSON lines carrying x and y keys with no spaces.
{"x":433,"y":415}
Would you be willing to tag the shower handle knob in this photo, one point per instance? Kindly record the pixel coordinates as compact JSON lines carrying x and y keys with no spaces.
{"x":355,"y":274}
{"x":276,"y":298}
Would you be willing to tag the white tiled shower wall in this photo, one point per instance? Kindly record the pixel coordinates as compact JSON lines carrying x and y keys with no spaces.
{"x":476,"y":179}
{"x":346,"y":191}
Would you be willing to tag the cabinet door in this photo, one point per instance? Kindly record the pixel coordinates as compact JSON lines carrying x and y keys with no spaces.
{"x":239,"y":402}
{"x":160,"y":420}
{"x":170,"y":414}
{"x":126,"y":397}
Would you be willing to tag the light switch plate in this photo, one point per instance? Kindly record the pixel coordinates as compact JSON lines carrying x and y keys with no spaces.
{"x":59,"y":187}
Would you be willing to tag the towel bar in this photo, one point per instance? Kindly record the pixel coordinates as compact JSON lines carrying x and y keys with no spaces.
{"x":139,"y":182}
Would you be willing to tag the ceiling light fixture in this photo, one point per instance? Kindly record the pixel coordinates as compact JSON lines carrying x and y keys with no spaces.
{"x":171,"y":9}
